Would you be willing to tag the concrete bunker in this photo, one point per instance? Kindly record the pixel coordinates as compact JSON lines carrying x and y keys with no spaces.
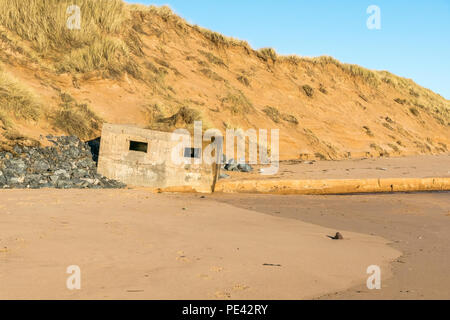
{"x":141,"y":157}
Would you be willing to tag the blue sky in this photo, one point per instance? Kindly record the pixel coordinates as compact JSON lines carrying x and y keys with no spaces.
{"x":414,"y":40}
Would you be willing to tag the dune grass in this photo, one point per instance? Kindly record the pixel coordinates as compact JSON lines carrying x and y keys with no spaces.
{"x":290,"y":118}
{"x":308,"y":90}
{"x":212,"y":58}
{"x":237,"y":103}
{"x":17,"y":101}
{"x":220,"y":40}
{"x":183,"y":118}
{"x":76,"y":119}
{"x":44,"y":23}
{"x":272,"y":113}
{"x":434,"y":104}
{"x":244,"y":80}
{"x":5,"y":120}
{"x":110,"y":56}
{"x":185,"y":115}
{"x":98,"y":45}
{"x":267,"y":54}
{"x":211,"y":74}
{"x":276,"y":116}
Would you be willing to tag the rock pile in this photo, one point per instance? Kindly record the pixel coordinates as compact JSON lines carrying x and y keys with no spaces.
{"x":232,"y":165}
{"x":65,"y":165}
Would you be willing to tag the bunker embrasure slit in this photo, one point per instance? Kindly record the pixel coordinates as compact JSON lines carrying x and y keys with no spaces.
{"x":139,"y":146}
{"x":193,"y":153}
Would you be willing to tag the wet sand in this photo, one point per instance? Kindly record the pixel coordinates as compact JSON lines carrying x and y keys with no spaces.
{"x":416,"y":224}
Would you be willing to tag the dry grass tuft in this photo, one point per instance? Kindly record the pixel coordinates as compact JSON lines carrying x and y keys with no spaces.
{"x":414,"y":111}
{"x":276,"y":116}
{"x":76,"y":119}
{"x":400,"y":101}
{"x":267,"y":54}
{"x":109,"y":56}
{"x":220,"y":40}
{"x":368,"y":131}
{"x":183,"y":118}
{"x":5,"y":120}
{"x":290,"y":118}
{"x":237,"y":103}
{"x":185,"y":115}
{"x":291,"y":59}
{"x":213,"y":59}
{"x":153,"y":113}
{"x":244,"y":80}
{"x":16,"y":100}
{"x":211,"y":74}
{"x":272,"y":113}
{"x":308,"y":90}
{"x":165,"y":12}
{"x":323,"y":89}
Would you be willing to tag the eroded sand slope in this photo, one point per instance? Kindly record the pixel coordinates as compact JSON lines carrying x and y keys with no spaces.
{"x":323,"y":108}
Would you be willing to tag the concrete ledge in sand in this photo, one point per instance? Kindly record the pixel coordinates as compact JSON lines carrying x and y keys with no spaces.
{"x":337,"y":186}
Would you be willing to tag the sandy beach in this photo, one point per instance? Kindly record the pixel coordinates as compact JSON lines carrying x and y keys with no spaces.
{"x":293,"y":151}
{"x":130,"y":244}
{"x":137,"y":244}
{"x":423,"y":166}
{"x":417,"y":224}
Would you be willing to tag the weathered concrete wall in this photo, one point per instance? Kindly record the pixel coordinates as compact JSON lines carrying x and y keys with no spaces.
{"x":153,"y":168}
{"x":337,"y":186}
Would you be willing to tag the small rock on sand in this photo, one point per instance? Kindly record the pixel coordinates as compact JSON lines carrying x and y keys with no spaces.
{"x":338,"y":236}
